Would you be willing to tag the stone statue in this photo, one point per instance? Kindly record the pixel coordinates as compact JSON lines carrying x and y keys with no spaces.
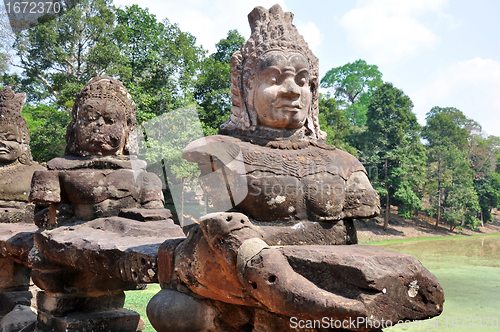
{"x":95,"y":178}
{"x":286,"y":248}
{"x":101,"y":215}
{"x":16,"y":213}
{"x":16,"y":164}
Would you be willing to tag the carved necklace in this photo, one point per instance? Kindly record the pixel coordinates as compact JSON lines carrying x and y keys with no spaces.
{"x":9,"y":169}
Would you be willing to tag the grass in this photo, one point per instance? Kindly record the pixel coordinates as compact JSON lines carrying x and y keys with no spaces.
{"x":468,"y":269}
{"x":138,"y":301}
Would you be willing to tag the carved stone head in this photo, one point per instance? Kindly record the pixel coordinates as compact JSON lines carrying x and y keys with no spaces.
{"x":103,"y":120}
{"x":274,"y":78}
{"x":14,"y":132}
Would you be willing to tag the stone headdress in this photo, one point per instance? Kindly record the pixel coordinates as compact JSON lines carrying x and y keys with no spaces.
{"x":104,"y":87}
{"x":11,"y":105}
{"x":272,"y":30}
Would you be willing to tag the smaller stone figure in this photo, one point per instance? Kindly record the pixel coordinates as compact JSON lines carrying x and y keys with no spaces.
{"x":16,"y":213}
{"x":102,"y":215}
{"x":95,"y":178}
{"x":16,"y":164}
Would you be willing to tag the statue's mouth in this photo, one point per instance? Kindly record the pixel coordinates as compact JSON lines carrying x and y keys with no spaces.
{"x":3,"y":150}
{"x":104,"y":142}
{"x":289,"y":106}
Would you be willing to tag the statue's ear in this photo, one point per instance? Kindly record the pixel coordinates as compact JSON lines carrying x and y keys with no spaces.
{"x":251,"y":82}
{"x":314,"y":83}
{"x":20,"y":100}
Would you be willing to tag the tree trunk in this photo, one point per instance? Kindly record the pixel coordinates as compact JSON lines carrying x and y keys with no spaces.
{"x":439,"y":195}
{"x":181,"y":217}
{"x":387,"y":201}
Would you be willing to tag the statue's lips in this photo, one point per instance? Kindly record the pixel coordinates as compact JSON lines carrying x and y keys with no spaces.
{"x":4,"y":151}
{"x":289,"y":107}
{"x":103,"y":143}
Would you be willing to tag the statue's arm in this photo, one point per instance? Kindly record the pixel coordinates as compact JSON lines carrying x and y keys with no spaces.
{"x":151,"y":194}
{"x":45,"y":192}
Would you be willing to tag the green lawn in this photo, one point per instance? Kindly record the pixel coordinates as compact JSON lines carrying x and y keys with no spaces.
{"x":138,"y":300}
{"x":468,"y":269}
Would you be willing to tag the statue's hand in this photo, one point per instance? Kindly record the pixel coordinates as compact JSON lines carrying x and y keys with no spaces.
{"x":226,"y":232}
{"x":264,"y":272}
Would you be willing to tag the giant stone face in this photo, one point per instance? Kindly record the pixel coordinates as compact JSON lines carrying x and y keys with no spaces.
{"x":282,"y":94}
{"x":101,"y":127}
{"x":10,"y":143}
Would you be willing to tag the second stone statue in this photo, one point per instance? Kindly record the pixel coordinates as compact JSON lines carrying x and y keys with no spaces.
{"x":101,"y":217}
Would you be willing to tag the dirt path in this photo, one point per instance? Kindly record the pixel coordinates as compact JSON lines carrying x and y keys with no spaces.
{"x":420,"y":226}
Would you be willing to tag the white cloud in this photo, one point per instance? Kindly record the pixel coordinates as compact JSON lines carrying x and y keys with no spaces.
{"x":388,"y":31}
{"x":311,"y":34}
{"x":208,"y":21}
{"x":472,"y":86}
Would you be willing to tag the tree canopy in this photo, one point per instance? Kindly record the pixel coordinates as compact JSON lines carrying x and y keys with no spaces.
{"x":353,"y":85}
{"x":449,"y":168}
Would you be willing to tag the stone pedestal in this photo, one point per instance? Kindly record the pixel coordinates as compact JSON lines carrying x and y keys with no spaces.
{"x":85,"y":268}
{"x":16,"y":240}
{"x":9,"y":299}
{"x":120,"y":320}
{"x":74,"y":300}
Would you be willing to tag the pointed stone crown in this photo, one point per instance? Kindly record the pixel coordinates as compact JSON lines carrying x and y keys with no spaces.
{"x":11,"y":105}
{"x":105,"y":87}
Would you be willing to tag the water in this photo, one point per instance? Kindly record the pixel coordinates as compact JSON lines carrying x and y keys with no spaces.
{"x":468,"y":269}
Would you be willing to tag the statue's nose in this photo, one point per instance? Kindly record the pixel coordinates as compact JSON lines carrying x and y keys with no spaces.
{"x":289,"y":88}
{"x":100,"y":121}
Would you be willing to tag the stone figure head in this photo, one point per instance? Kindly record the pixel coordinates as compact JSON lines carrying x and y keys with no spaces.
{"x":274,"y":78}
{"x":103,"y":120}
{"x":14,"y":132}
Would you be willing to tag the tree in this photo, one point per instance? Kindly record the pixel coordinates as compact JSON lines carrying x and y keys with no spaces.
{"x":213,"y":85}
{"x":4,"y":63}
{"x":162,"y":141}
{"x":47,"y":127}
{"x":64,"y":53}
{"x":333,"y":121}
{"x":447,"y":133}
{"x":6,"y":39}
{"x":483,"y":159}
{"x":353,"y":85}
{"x":160,"y":62}
{"x":393,"y":146}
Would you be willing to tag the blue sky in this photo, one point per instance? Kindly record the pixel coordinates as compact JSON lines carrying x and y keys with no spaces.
{"x":439,"y":52}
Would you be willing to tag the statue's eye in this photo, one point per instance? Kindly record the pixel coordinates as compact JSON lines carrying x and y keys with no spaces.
{"x":11,"y":137}
{"x":302,"y":81}
{"x":272,"y":80}
{"x":108,"y":119}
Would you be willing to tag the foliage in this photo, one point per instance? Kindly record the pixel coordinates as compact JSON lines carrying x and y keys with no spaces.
{"x":451,"y":182}
{"x":160,"y":62}
{"x":353,"y":85}
{"x":333,"y":121}
{"x":393,"y":146}
{"x":213,"y":85}
{"x":4,"y":63}
{"x":64,"y":53}
{"x":162,"y":141}
{"x":47,"y":127}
